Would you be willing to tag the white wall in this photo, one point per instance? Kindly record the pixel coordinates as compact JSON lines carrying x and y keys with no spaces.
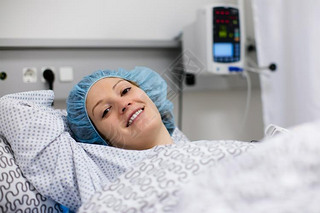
{"x":206,"y":114}
{"x":97,"y":19}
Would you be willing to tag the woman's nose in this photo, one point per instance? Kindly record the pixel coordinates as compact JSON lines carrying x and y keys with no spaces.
{"x":125,"y":107}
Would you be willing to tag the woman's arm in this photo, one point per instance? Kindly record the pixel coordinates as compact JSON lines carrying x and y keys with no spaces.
{"x":51,"y":160}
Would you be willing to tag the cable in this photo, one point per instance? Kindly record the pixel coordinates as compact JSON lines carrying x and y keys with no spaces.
{"x":175,"y":84}
{"x":181,"y":76}
{"x":48,"y":75}
{"x":246,"y":111}
{"x":180,"y":102}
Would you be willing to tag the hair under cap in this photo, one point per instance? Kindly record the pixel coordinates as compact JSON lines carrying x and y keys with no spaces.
{"x":148,"y":80}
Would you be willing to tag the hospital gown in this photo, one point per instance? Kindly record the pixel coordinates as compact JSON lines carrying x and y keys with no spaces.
{"x":70,"y":172}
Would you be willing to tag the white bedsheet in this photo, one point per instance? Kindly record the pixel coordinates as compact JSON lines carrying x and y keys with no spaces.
{"x":281,"y":174}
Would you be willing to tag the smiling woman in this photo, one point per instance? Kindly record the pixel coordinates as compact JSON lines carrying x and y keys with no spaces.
{"x":124,"y":109}
{"x":124,"y":115}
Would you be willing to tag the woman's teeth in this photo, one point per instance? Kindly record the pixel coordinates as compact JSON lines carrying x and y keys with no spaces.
{"x":134,"y":117}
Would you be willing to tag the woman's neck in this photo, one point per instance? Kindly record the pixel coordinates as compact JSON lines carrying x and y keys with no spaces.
{"x":163,"y":137}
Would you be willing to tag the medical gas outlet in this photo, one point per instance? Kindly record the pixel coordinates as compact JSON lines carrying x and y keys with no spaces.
{"x":3,"y":75}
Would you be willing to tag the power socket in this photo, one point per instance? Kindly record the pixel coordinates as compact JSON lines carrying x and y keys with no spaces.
{"x":45,"y":68}
{"x":29,"y":75}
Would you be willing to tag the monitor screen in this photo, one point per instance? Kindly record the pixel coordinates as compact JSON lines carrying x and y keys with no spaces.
{"x":223,"y":50}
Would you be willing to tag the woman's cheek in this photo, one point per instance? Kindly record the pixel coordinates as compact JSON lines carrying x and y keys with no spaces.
{"x":109,"y":130}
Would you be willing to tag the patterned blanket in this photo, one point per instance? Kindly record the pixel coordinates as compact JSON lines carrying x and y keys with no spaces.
{"x":153,"y":185}
{"x":281,"y":174}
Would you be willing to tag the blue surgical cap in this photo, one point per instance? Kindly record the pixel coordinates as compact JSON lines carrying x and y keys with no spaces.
{"x":148,"y":80}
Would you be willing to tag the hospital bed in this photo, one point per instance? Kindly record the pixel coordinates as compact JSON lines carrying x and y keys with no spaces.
{"x":280,"y":174}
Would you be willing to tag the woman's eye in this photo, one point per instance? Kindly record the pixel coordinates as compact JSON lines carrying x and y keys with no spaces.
{"x":125,"y":91}
{"x":105,"y":112}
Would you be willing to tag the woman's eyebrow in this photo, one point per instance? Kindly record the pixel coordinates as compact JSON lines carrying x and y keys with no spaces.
{"x":114,"y":86}
{"x":96,"y":106}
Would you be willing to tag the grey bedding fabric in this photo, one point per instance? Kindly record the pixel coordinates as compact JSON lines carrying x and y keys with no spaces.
{"x":153,"y":185}
{"x":16,"y":193}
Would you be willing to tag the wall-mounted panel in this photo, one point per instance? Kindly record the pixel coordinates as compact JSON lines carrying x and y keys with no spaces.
{"x":83,"y":62}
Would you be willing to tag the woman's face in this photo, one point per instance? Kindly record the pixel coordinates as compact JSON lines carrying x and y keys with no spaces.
{"x":123,"y":113}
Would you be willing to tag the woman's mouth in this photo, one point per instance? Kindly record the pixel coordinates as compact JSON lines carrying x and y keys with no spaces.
{"x":134,"y":116}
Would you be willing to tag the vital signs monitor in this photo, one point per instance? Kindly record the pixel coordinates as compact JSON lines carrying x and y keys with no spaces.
{"x":216,"y":38}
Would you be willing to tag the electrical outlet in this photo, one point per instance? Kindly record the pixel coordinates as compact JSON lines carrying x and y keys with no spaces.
{"x":29,"y":75}
{"x":45,"y":68}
